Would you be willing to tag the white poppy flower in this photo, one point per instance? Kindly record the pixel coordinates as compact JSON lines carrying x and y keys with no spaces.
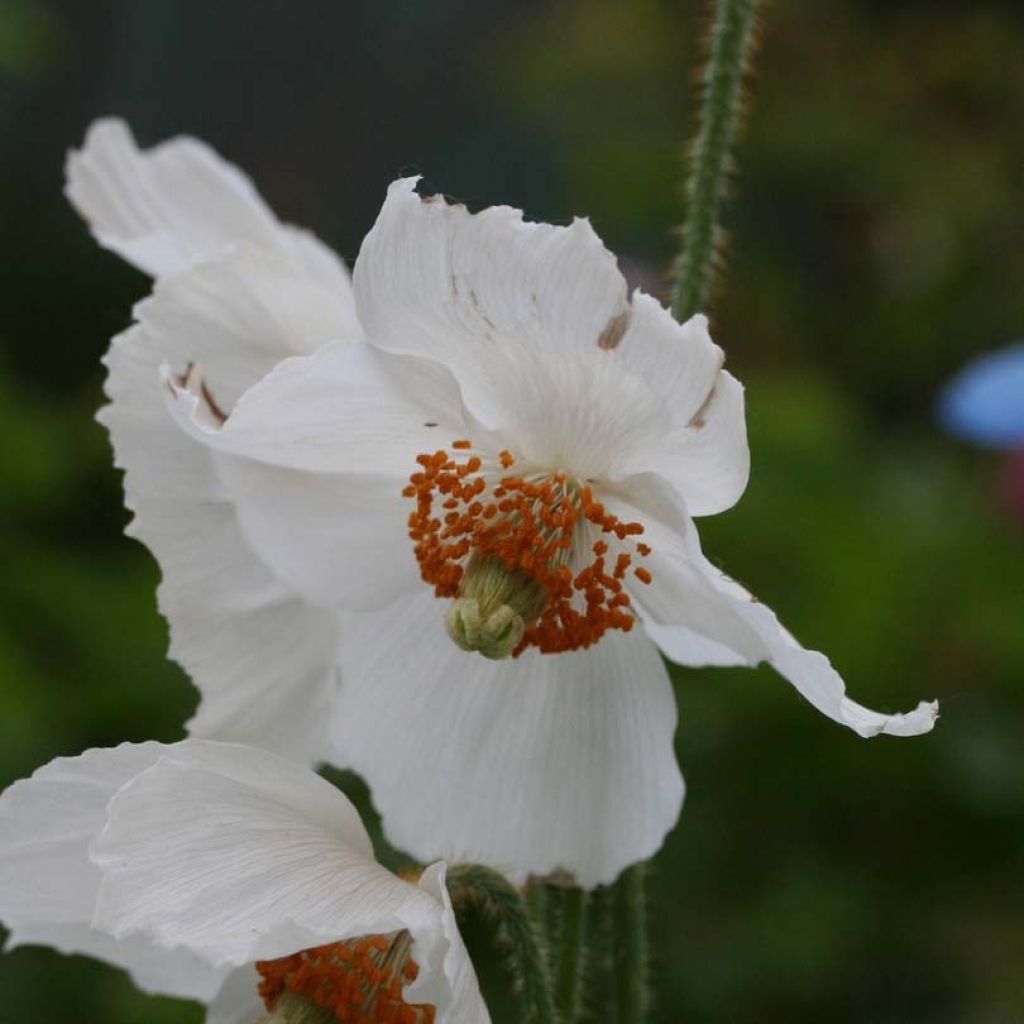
{"x":236,"y":292}
{"x":226,"y":874}
{"x":500,"y":485}
{"x":519,"y":338}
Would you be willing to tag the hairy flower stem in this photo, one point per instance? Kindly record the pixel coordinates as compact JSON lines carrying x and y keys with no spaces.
{"x":600,"y":999}
{"x":569,"y":967}
{"x":472,"y":885}
{"x":732,"y":39}
{"x":631,"y":947}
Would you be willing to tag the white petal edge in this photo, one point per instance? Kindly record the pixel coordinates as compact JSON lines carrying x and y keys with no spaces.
{"x":707,"y":458}
{"x":49,"y":886}
{"x":681,"y":578}
{"x":239,"y":855}
{"x":177,"y":204}
{"x":263,"y":659}
{"x":467,"y":290}
{"x":315,"y":458}
{"x":532,"y":765}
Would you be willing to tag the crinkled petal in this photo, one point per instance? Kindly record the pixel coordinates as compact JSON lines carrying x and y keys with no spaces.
{"x":686,"y":590}
{"x":48,"y":885}
{"x":681,"y":593}
{"x":263,"y":659}
{"x":344,"y":409}
{"x":521,"y":313}
{"x":534,"y":322}
{"x":707,"y":459}
{"x":177,"y":204}
{"x":315,"y":459}
{"x":532,"y":764}
{"x":236,"y":318}
{"x":238,"y":855}
{"x":435,"y":281}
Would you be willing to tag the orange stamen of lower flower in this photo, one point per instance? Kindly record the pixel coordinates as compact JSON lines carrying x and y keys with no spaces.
{"x":359,"y":981}
{"x":529,"y":525}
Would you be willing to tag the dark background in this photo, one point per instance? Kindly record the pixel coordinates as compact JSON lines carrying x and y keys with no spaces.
{"x":877,"y":241}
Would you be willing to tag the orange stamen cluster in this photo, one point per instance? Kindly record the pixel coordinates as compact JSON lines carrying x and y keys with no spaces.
{"x":359,"y":981}
{"x":529,"y":525}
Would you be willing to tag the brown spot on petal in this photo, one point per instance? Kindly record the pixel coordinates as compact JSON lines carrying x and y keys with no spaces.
{"x":700,"y":417}
{"x":479,"y":309}
{"x":614,"y":330}
{"x":192,"y":380}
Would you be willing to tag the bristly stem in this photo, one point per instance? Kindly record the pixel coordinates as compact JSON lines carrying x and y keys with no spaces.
{"x":732,"y":39}
{"x":600,"y":983}
{"x":570,"y":946}
{"x":472,"y":885}
{"x":631,"y":948}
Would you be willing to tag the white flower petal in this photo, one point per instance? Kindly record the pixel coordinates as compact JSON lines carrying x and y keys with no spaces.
{"x":177,"y":204}
{"x":680,"y":592}
{"x":263,"y":659}
{"x":240,"y":315}
{"x":48,"y":885}
{"x":687,"y":589}
{"x":533,"y":320}
{"x":238,"y":1001}
{"x":461,"y":1002}
{"x":680,"y":362}
{"x":706,"y":459}
{"x":531,"y":764}
{"x":435,"y":281}
{"x":346,"y":409}
{"x":340,"y":542}
{"x":239,"y":855}
{"x":315,"y":459}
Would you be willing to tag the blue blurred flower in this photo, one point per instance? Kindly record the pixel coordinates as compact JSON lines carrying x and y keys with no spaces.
{"x":984,"y":402}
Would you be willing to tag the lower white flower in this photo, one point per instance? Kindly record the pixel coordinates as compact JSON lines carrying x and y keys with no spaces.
{"x":492,"y":493}
{"x":228,"y":875}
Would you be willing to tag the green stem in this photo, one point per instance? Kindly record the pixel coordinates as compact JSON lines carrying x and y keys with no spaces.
{"x":472,"y":885}
{"x":569,"y":969}
{"x":631,"y":960}
{"x":732,"y":39}
{"x":600,"y":999}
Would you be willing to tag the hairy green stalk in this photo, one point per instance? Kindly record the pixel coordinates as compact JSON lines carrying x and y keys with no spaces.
{"x":632,"y":987}
{"x":600,"y":998}
{"x":732,"y":40}
{"x":570,"y":958}
{"x":472,"y":885}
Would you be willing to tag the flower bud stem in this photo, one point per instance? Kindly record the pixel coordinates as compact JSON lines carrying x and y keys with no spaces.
{"x":569,"y":968}
{"x":732,"y":42}
{"x":472,"y":885}
{"x":631,"y":946}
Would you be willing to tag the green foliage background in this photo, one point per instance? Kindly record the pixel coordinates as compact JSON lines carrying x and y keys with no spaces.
{"x":875,"y":245}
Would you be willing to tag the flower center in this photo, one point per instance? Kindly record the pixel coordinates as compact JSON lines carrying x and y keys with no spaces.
{"x":527,"y":558}
{"x":355,"y":982}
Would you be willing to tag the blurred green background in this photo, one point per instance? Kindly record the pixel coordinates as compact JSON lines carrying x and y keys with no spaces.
{"x":876,"y":242}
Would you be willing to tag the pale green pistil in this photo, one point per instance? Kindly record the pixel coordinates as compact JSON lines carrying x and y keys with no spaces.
{"x":493,"y":609}
{"x":295,"y":1009}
